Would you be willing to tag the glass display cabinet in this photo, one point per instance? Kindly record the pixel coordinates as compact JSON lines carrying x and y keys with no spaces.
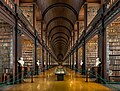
{"x":60,"y":72}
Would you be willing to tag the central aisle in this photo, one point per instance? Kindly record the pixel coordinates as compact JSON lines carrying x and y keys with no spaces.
{"x":47,"y":82}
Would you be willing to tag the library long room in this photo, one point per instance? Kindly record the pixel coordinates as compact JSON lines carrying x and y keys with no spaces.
{"x":59,"y":45}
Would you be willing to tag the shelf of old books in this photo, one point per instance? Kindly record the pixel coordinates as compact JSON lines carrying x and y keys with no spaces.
{"x":27,"y":12}
{"x":74,"y":59}
{"x":92,"y":11}
{"x":27,"y":51}
{"x":81,"y":27}
{"x":80,"y":62}
{"x":38,"y":27}
{"x":92,"y":55}
{"x":81,"y":21}
{"x":39,"y":56}
{"x":92,"y":51}
{"x":6,"y":48}
{"x":113,"y":50}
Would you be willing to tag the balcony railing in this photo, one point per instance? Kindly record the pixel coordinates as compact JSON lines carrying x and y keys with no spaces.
{"x":109,"y":3}
{"x":10,"y":3}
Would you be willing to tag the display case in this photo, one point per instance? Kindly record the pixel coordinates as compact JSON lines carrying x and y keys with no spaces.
{"x":60,"y":72}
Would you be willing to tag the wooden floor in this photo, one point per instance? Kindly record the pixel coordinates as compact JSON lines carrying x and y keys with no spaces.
{"x":47,"y":82}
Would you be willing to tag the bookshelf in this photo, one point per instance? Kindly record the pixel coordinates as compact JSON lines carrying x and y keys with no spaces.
{"x":6,"y":49}
{"x":6,"y":41}
{"x":113,"y":41}
{"x":39,"y":52}
{"x":28,"y":13}
{"x":39,"y":55}
{"x":81,"y":27}
{"x":80,"y":57}
{"x":92,"y":51}
{"x":92,"y":11}
{"x":27,"y":52}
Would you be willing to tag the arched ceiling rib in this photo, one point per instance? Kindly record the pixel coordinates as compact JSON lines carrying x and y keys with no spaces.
{"x":60,"y":17}
{"x":59,"y":27}
{"x":60,"y":39}
{"x":59,"y":33}
{"x":60,"y":5}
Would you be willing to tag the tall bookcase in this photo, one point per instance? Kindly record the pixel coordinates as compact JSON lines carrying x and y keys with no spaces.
{"x":92,"y":11}
{"x":80,"y":57}
{"x":6,"y":48}
{"x":28,"y":12}
{"x":39,"y":55}
{"x":113,"y":41}
{"x":92,"y":51}
{"x":81,"y":27}
{"x":27,"y":52}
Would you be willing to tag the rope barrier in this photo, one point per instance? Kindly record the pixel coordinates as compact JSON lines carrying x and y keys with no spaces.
{"x":107,"y":83}
{"x":91,"y":72}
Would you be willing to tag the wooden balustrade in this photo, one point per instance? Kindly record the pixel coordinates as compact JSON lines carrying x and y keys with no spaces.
{"x":10,"y":3}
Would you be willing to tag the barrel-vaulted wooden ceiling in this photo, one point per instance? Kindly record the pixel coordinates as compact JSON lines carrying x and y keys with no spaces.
{"x":59,"y":17}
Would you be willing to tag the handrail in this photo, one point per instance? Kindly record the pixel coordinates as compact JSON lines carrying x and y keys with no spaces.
{"x":109,"y":3}
{"x":10,"y":3}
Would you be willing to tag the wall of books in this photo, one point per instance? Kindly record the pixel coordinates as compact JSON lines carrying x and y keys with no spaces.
{"x":81,"y":20}
{"x":92,"y":51}
{"x":80,"y":58}
{"x":28,"y":13}
{"x":38,"y":27}
{"x":113,"y":49}
{"x":81,"y":27}
{"x":92,"y":11}
{"x":27,"y":51}
{"x":39,"y":56}
{"x":6,"y":48}
{"x":74,"y":59}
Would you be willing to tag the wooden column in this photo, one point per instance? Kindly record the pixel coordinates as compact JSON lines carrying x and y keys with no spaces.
{"x":17,"y":2}
{"x":73,"y":52}
{"x":42,"y":45}
{"x":70,"y":53}
{"x":77,"y":47}
{"x":49,"y":60}
{"x":46,"y":51}
{"x":73,"y":38}
{"x":35,"y":41}
{"x":19,"y":55}
{"x":73,"y":60}
{"x":102,"y":44}
{"x":69,"y":62}
{"x":43,"y":59}
{"x":84,"y":43}
{"x":77,"y":30}
{"x":15,"y":32}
